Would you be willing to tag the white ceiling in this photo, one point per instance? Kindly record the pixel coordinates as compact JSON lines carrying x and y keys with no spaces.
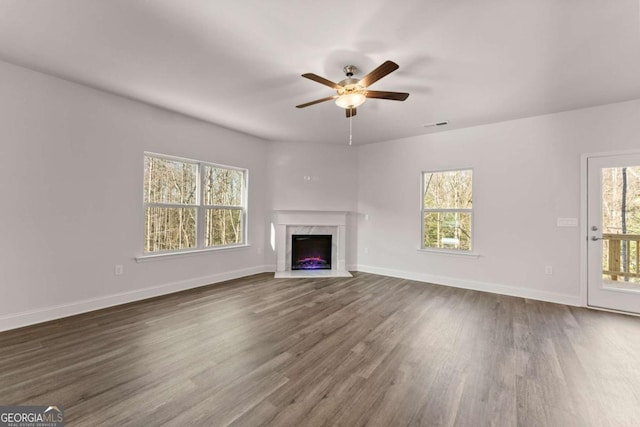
{"x":238,"y":63}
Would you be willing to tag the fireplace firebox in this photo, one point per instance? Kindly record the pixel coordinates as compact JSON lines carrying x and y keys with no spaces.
{"x":311,"y":252}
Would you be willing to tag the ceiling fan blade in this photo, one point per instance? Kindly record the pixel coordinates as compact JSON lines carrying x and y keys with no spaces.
{"x":350,"y":112}
{"x":384,"y":69}
{"x":321,"y":80}
{"x":317,"y":101}
{"x":395,"y":96}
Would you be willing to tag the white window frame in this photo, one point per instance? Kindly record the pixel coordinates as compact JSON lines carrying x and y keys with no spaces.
{"x":424,"y":210}
{"x":200,"y":207}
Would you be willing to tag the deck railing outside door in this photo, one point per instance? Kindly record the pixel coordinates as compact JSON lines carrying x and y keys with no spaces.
{"x":619,"y":263}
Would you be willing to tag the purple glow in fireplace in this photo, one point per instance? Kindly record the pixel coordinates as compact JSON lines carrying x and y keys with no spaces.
{"x":311,"y":252}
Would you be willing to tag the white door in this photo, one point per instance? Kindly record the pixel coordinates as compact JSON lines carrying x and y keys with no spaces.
{"x":614,"y":232}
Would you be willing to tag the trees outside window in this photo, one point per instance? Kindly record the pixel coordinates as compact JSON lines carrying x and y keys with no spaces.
{"x":192,"y":205}
{"x":224,"y":209}
{"x":447,"y":210}
{"x":621,"y":216}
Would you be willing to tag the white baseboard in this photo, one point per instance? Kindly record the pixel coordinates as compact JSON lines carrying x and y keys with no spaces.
{"x":475,"y":285}
{"x":18,"y":320}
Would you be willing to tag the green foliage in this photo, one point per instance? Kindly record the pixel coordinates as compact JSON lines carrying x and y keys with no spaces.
{"x":448,"y":230}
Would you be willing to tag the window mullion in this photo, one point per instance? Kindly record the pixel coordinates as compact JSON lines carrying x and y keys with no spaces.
{"x":239,"y":208}
{"x":462,"y":210}
{"x":201,"y":214}
{"x":169,"y":205}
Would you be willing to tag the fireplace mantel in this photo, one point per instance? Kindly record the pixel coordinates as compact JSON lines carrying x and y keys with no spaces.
{"x":288,"y":222}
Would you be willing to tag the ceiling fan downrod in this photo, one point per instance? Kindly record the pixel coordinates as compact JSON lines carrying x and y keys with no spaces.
{"x":350,"y":70}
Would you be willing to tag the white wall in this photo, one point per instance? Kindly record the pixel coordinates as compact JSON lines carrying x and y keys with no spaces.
{"x":72,"y":201}
{"x":332,"y":169}
{"x":526,"y":175}
{"x":71,"y":189}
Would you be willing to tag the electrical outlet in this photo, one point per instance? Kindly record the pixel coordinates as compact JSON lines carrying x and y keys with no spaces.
{"x":366,"y":250}
{"x":119,"y":270}
{"x":548,"y":269}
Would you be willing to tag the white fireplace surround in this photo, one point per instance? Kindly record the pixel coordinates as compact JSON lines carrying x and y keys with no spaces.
{"x":288,"y":223}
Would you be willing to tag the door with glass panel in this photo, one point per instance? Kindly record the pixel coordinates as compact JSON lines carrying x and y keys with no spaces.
{"x":614,"y":232}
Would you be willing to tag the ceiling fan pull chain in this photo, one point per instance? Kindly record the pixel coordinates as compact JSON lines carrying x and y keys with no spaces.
{"x":350,"y":130}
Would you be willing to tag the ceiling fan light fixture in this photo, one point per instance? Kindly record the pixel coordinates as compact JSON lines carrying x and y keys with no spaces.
{"x":350,"y":100}
{"x":351,"y":94}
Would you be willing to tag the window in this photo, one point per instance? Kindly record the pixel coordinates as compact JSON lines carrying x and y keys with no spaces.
{"x":447,"y":210}
{"x":192,"y":205}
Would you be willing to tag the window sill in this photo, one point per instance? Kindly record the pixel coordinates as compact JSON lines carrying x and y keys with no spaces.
{"x":450,"y":252}
{"x":166,"y":255}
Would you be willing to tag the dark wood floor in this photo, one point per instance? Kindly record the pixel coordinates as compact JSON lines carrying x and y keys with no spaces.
{"x":370,"y":350}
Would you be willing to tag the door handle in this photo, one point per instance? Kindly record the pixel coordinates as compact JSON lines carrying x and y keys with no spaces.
{"x":594,"y":238}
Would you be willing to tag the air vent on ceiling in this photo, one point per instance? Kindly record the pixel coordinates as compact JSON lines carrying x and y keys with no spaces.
{"x":435,"y":124}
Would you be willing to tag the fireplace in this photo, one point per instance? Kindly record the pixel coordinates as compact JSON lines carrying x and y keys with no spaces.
{"x":311,"y":252}
{"x":287,"y":224}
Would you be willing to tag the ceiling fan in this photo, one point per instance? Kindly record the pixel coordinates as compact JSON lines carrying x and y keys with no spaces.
{"x":351,"y":92}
